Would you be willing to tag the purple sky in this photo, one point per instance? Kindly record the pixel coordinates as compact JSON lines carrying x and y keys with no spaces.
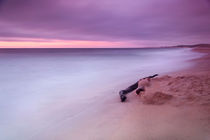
{"x":142,"y":22}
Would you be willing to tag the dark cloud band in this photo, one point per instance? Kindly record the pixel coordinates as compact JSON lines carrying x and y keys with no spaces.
{"x":105,"y":20}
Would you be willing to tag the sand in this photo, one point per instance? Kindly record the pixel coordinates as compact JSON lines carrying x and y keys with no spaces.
{"x":175,"y":107}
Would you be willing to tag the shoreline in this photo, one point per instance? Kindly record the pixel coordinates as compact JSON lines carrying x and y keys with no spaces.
{"x":199,"y":64}
{"x":168,"y":110}
{"x":172,"y":108}
{"x":175,"y":107}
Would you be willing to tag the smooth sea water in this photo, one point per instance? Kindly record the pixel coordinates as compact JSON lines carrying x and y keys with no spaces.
{"x":41,"y":90}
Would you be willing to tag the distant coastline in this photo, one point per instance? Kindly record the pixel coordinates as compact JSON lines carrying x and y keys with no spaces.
{"x":191,"y":46}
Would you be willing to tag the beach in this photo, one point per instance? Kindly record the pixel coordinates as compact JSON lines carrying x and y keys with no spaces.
{"x":176,"y":106}
{"x":49,"y":103}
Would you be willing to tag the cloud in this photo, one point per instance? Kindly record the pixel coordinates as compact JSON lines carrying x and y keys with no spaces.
{"x":151,"y":20}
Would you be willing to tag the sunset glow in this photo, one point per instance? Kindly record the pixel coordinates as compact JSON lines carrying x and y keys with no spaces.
{"x":61,"y":44}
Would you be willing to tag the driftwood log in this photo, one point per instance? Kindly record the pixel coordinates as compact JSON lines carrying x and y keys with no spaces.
{"x":132,"y":88}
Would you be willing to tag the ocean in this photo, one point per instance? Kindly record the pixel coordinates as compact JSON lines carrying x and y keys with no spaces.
{"x":43,"y":90}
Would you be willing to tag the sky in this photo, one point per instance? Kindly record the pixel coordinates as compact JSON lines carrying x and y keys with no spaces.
{"x":103,"y":23}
